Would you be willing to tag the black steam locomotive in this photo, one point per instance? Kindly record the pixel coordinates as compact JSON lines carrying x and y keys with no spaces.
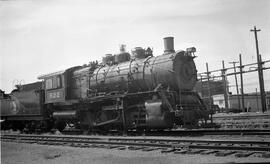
{"x":138,"y":91}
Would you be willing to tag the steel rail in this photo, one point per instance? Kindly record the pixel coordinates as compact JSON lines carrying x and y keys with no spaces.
{"x":251,"y":145}
{"x":197,"y":132}
{"x":243,"y":116}
{"x":70,"y":137}
{"x":186,"y":132}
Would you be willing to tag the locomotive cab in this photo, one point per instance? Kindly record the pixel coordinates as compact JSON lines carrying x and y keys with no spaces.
{"x":58,"y":97}
{"x":56,"y":86}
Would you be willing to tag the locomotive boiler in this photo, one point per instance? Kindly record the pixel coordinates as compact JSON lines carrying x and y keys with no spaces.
{"x":127,"y":91}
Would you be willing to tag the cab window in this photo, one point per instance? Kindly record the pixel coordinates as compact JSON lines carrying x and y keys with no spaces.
{"x":49,"y":84}
{"x":53,"y":83}
{"x":58,"y":82}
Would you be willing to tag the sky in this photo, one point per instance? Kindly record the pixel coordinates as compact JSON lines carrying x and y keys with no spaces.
{"x":39,"y":37}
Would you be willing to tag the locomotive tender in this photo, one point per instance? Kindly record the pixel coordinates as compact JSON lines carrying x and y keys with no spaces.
{"x":125,"y":92}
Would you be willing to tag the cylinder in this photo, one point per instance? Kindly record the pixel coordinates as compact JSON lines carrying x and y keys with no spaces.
{"x":168,"y":45}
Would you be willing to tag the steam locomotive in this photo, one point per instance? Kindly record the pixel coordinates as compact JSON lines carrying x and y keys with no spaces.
{"x":126,"y":91}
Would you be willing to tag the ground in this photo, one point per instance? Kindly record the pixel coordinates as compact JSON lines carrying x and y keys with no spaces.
{"x":18,"y":153}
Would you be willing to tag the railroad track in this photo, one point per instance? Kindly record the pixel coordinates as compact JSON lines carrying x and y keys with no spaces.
{"x":186,"y":132}
{"x":201,"y":132}
{"x":178,"y":146}
{"x":243,"y":116}
{"x":243,"y":121}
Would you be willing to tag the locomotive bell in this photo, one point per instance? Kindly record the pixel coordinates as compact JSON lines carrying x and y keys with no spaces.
{"x":168,"y":45}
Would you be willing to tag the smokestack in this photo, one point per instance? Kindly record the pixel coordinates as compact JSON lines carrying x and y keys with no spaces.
{"x":168,"y":45}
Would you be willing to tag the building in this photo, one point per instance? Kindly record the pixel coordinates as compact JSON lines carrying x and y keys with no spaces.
{"x":219,"y":100}
{"x":216,"y":87}
{"x":252,"y":101}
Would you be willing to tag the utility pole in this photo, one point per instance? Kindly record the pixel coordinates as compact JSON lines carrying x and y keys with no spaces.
{"x":236,"y":83}
{"x":224,"y":79}
{"x":260,"y":71}
{"x":209,"y":89}
{"x":241,"y":81}
{"x":209,"y":93}
{"x":264,"y":95}
{"x":201,"y":86}
{"x":257,"y":100}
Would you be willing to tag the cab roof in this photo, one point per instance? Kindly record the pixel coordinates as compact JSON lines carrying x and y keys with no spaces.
{"x":45,"y":76}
